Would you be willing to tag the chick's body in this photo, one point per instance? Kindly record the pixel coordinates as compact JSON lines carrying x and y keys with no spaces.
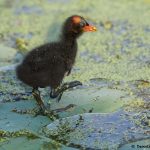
{"x":47,"y":65}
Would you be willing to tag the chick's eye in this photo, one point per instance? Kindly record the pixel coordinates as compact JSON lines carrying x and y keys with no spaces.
{"x":82,"y":24}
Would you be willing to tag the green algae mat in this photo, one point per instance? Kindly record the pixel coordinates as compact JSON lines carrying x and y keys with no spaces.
{"x":112,"y":108}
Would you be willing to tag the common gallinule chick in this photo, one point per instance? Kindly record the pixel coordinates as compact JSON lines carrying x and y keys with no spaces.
{"x":48,"y":64}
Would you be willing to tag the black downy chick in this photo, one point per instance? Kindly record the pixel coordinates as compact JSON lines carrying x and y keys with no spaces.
{"x":48,"y":64}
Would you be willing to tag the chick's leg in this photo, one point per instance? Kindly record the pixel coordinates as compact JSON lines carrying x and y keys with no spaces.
{"x":43,"y":110}
{"x":36,"y":95}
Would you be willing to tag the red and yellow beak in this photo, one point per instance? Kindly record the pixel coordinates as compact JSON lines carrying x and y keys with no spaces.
{"x":89,"y":28}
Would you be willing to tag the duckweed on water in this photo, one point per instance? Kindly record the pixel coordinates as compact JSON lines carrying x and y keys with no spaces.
{"x":7,"y":134}
{"x":136,"y":103}
{"x":122,"y":41}
{"x":21,"y":45}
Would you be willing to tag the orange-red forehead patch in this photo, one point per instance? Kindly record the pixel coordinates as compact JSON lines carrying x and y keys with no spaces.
{"x":76,"y":19}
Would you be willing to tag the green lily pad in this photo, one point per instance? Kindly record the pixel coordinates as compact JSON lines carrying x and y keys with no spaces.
{"x":97,"y":131}
{"x":98,"y":100}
